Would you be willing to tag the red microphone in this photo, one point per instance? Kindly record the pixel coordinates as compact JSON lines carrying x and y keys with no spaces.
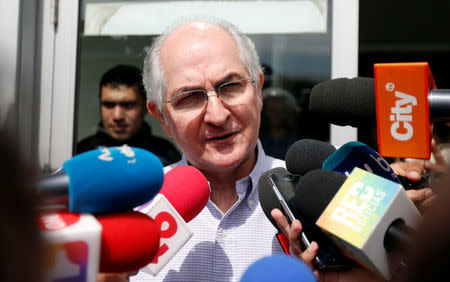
{"x":129,"y":241}
{"x":80,"y":245}
{"x":183,"y":196}
{"x":187,"y":190}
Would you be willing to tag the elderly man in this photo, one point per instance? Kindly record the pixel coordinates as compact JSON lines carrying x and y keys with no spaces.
{"x":203,"y":80}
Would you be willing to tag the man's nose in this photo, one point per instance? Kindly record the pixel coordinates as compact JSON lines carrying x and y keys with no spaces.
{"x":216,"y":111}
{"x":118,"y":112}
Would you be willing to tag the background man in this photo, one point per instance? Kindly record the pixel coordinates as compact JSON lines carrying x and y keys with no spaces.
{"x":122,"y":111}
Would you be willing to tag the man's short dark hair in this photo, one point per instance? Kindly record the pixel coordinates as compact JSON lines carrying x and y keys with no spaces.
{"x":123,"y":75}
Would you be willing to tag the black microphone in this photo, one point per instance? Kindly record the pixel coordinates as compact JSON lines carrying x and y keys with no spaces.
{"x":344,"y":101}
{"x":306,"y":155}
{"x":276,"y":189}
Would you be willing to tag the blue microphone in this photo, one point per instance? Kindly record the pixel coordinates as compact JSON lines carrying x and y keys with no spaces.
{"x":104,"y":180}
{"x":278,"y":267}
{"x":357,"y":154}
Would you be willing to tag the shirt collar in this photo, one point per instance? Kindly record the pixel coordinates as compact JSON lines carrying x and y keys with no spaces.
{"x":250,"y":181}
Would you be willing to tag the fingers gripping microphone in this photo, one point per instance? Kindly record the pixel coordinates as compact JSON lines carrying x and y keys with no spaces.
{"x":108,"y":179}
{"x":367,"y":216}
{"x":278,"y":180}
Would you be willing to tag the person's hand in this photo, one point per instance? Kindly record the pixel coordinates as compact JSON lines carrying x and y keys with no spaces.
{"x":438,"y":165}
{"x":115,"y":277}
{"x":354,"y":274}
{"x":293,"y":233}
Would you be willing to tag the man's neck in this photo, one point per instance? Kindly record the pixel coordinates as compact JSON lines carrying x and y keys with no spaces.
{"x":223,"y":184}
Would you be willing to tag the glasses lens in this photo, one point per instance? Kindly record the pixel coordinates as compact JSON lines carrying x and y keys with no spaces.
{"x":233,"y":89}
{"x":187,"y":101}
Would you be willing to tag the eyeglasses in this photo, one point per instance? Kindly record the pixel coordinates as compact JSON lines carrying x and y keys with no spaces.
{"x":191,"y":100}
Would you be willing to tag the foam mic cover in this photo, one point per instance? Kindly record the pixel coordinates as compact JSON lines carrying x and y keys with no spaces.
{"x":187,"y":189}
{"x":315,"y":190}
{"x":108,"y":179}
{"x":344,"y":101}
{"x":278,"y":268}
{"x":129,"y":241}
{"x":306,"y":155}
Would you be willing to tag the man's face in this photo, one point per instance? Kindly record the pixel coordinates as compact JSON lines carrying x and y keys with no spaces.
{"x":218,"y":135}
{"x":122,"y":111}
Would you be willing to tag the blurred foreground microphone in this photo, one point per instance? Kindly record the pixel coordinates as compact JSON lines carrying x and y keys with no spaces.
{"x":184,"y":194}
{"x":276,"y":189}
{"x":79,"y":245}
{"x":108,"y":179}
{"x":357,"y":154}
{"x":370,"y":218}
{"x":280,"y":268}
{"x":306,"y":155}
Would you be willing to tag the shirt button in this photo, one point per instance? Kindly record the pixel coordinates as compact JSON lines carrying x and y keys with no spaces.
{"x":224,"y":233}
{"x":250,"y":203}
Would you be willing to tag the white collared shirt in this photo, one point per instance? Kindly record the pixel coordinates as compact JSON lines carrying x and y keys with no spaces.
{"x":223,"y":246}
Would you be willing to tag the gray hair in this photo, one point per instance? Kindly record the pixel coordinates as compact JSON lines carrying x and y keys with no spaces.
{"x":153,"y":74}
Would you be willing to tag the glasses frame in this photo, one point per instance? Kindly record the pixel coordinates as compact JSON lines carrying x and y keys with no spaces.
{"x":205,"y":92}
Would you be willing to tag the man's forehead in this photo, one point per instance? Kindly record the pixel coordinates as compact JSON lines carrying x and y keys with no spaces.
{"x":190,"y":32}
{"x":121,"y":92}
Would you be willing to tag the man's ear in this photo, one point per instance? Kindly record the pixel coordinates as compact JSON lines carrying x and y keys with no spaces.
{"x":260,"y":86}
{"x":153,"y":110}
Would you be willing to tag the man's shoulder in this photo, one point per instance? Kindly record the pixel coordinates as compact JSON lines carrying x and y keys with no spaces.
{"x":87,"y":144}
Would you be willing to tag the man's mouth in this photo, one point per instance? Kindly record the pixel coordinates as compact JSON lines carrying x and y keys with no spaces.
{"x":221,"y":137}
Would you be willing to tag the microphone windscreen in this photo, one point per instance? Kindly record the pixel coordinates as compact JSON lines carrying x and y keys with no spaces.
{"x":280,"y":268}
{"x":112,"y":179}
{"x":344,"y":101}
{"x":187,"y":189}
{"x":129,"y":241}
{"x":306,"y":155}
{"x":267,"y":197}
{"x":315,"y":190}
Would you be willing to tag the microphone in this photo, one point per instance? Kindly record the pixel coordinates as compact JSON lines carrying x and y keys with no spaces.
{"x":402,"y":99}
{"x":105,"y":180}
{"x":344,"y":101}
{"x":278,"y":268}
{"x":276,"y":189}
{"x":368,"y":217}
{"x":184,"y":194}
{"x":357,"y":154}
{"x":306,"y":155}
{"x":80,"y":245}
{"x":129,"y":241}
